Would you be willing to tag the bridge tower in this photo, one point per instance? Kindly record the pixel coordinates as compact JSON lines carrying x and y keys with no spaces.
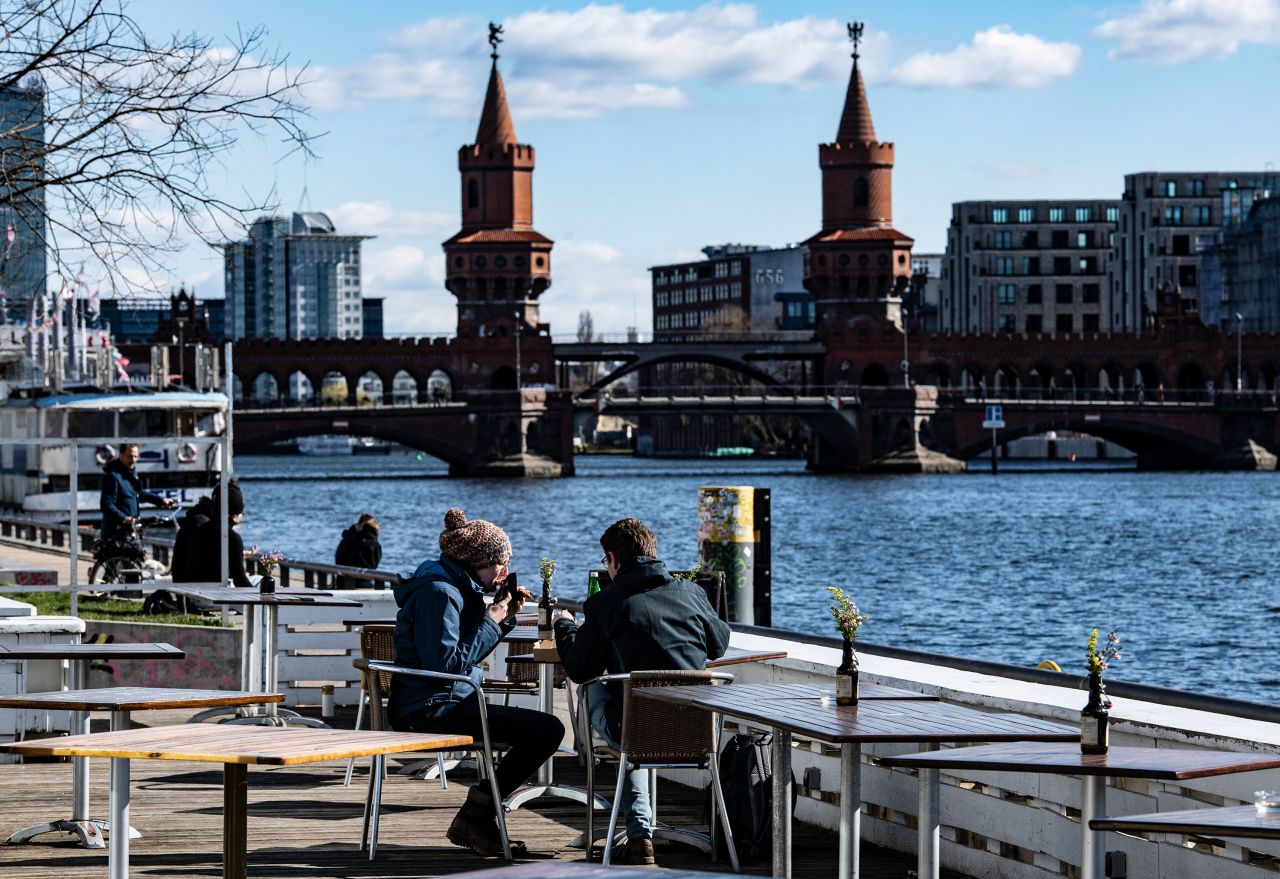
{"x":497,"y":264}
{"x":858,"y":265}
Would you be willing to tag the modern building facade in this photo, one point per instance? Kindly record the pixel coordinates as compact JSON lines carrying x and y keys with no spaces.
{"x":1241,"y":271}
{"x":1162,"y":215}
{"x":925,"y":300}
{"x":23,"y":258}
{"x":739,"y":289}
{"x":1028,"y":266}
{"x":372,"y":310}
{"x":294,"y":278}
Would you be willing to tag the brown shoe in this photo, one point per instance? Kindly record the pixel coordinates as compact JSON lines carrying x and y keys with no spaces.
{"x":639,"y":853}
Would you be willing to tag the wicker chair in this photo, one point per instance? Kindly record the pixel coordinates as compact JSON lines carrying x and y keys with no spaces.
{"x":377,"y":678}
{"x":657,"y":735}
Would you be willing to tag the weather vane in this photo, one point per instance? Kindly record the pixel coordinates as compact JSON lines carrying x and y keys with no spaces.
{"x":495,"y":37}
{"x":855,"y":35}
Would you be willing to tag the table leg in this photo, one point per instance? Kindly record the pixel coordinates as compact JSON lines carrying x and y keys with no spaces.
{"x":235,"y":786}
{"x":270,"y":668}
{"x":929,"y":822}
{"x":1093,"y":805}
{"x":782,"y":787}
{"x":118,"y":854}
{"x":850,"y":809}
{"x":546,"y":702}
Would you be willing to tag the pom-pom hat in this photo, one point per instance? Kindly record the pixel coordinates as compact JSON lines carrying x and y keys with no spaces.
{"x":474,"y":544}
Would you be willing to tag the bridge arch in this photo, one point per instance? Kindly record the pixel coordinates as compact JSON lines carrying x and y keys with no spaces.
{"x":265,"y":388}
{"x":709,"y":358}
{"x":440,"y":386}
{"x":404,"y":387}
{"x":439,"y":443}
{"x":937,"y":374}
{"x":300,"y":387}
{"x":1006,"y":380}
{"x":1192,"y":377}
{"x":1149,"y":376}
{"x":875,"y":375}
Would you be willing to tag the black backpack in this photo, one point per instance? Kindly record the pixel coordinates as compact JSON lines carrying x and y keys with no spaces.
{"x":746,"y":776}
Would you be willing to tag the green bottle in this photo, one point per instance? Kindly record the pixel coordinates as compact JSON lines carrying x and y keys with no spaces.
{"x":593,"y":584}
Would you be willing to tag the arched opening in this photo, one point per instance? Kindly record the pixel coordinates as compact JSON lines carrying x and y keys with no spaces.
{"x":404,"y":388}
{"x":298,"y":388}
{"x":237,"y":389}
{"x":504,"y":379}
{"x":473,"y":193}
{"x":1147,"y":377}
{"x":1035,"y":383}
{"x":265,"y":389}
{"x":369,"y":389}
{"x":1191,"y":377}
{"x":1110,"y":381}
{"x":860,"y":195}
{"x":1006,"y":379}
{"x":875,"y":376}
{"x":938,"y":375}
{"x":333,"y":389}
{"x":439,"y":386}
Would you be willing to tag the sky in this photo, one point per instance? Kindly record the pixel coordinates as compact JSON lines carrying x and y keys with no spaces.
{"x":663,"y":127}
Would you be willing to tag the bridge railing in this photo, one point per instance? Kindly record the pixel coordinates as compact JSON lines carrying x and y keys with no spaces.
{"x":1128,"y":397}
{"x":728,"y":391}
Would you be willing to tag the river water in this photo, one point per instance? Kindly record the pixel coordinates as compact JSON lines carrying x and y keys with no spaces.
{"x":1014,"y":568}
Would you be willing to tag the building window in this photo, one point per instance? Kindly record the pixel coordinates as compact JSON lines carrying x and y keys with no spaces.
{"x":1091,"y":293}
{"x":1008,"y":323}
{"x":1171,"y":189}
{"x":1229,"y":184}
{"x":660,"y":279}
{"x":1031,"y":238}
{"x":999,"y":215}
{"x":1057,"y":215}
{"x":677,"y":297}
{"x":1007,"y":294}
{"x":1066,"y":323}
{"x":706,"y":292}
{"x":1088,"y":265}
{"x":1064,"y":294}
{"x":735,"y":267}
{"x":1026,"y":215}
{"x":1034,"y":324}
{"x":1031,"y":265}
{"x":1003,"y":240}
{"x":1173,"y":215}
{"x":1033,"y":294}
{"x":735,"y":289}
{"x":1059,"y":238}
{"x":1084,"y":239}
{"x":1062,"y":265}
{"x":860,"y":192}
{"x":1004,"y":265}
{"x":691,"y":274}
{"x":1084,"y":215}
{"x":1195,"y":187}
{"x":662,"y":299}
{"x":722,"y":270}
{"x":1090,"y":323}
{"x":1113,"y":214}
{"x":1200,"y":215}
{"x":722,"y":291}
{"x":473,"y":193}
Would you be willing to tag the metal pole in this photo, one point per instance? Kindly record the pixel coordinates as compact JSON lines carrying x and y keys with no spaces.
{"x":518,"y":324}
{"x":1239,"y":346}
{"x":224,"y":505}
{"x":74,"y":538}
{"x":1093,"y":805}
{"x":995,"y":468}
{"x":118,"y":853}
{"x":850,"y":809}
{"x":782,"y":786}
{"x":928,"y":822}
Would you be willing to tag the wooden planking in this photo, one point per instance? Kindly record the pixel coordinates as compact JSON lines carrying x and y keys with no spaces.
{"x":870,"y":721}
{"x":92,"y":651}
{"x":136,"y":699}
{"x":273,"y":746}
{"x":1241,"y":821}
{"x":1168,"y":764}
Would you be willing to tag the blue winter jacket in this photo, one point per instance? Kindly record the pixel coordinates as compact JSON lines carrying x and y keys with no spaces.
{"x":441,"y":626}
{"x":121,"y":491}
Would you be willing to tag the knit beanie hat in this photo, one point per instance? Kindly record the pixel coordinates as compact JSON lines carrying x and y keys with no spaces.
{"x":475,"y":544}
{"x":235,"y":499}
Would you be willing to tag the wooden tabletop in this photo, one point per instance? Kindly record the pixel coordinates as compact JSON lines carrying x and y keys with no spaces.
{"x":810,"y":690}
{"x":874,"y":720}
{"x":232,"y":595}
{"x":580,"y":870}
{"x":1168,"y":764}
{"x":223,"y":743}
{"x":733,"y":656}
{"x":126,"y":650}
{"x":1220,"y":821}
{"x":135,"y":699}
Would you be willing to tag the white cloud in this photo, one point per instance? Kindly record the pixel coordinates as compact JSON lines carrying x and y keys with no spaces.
{"x":401,"y":268}
{"x":1173,"y":31}
{"x":998,"y":57}
{"x":1017,"y":169}
{"x":595,"y":276}
{"x":382,"y":219}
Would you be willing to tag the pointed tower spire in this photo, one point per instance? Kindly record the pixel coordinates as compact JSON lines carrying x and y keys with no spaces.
{"x":496,"y":127}
{"x":855,"y":121}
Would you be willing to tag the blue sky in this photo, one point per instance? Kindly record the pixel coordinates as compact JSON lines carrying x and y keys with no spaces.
{"x":662,"y":127}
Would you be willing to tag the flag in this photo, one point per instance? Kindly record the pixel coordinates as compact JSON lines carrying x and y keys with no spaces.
{"x":65,"y":291}
{"x":9,"y":234}
{"x":121,"y":363}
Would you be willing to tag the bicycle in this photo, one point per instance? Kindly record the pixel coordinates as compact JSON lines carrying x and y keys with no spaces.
{"x":123,"y":559}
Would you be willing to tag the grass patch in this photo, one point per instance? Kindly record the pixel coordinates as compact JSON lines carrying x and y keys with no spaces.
{"x":128,"y":610}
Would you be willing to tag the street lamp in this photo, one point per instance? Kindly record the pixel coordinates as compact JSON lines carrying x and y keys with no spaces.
{"x":518,"y":322}
{"x":1239,"y":345}
{"x":906,"y":360}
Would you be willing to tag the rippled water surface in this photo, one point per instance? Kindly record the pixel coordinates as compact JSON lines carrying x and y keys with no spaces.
{"x":1015,"y":568}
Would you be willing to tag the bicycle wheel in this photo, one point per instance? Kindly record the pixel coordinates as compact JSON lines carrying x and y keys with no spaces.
{"x":111,"y":569}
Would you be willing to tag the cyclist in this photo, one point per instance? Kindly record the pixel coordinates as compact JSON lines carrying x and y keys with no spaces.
{"x":121,"y":492}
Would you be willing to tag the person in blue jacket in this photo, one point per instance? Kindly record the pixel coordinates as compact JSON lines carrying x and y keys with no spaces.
{"x":121,"y":492}
{"x":444,"y":624}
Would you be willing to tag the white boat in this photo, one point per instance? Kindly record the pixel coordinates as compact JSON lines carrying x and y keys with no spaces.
{"x":62,"y":384}
{"x":327,"y":444}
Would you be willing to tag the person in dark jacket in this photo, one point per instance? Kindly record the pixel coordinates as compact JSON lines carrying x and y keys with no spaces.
{"x":646,"y":620}
{"x":207,"y":542}
{"x":121,"y":492}
{"x":445,"y":625}
{"x":359,"y":548}
{"x":184,"y":542}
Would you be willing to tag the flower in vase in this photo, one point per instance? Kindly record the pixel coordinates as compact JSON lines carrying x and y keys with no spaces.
{"x":1097,"y":659}
{"x":847,"y":616}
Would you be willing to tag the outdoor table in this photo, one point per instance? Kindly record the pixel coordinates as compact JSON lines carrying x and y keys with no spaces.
{"x":80,"y":656}
{"x":236,"y":747}
{"x":870,"y":721}
{"x":1161,"y":764}
{"x":120,"y":701}
{"x":1241,"y":821}
{"x":259,"y":663}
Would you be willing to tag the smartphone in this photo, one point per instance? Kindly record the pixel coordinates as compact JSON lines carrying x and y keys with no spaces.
{"x":508,"y":589}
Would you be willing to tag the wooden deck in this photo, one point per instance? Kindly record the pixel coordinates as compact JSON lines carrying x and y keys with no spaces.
{"x":304,"y":822}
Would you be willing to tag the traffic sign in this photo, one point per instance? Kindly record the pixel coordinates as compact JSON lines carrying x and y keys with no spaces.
{"x":995,"y":417}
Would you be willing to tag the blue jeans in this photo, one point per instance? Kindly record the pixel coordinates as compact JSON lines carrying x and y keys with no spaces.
{"x":635,"y":790}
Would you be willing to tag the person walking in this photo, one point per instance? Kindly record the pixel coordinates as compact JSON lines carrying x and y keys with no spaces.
{"x":445,"y":625}
{"x":359,"y":548}
{"x":121,"y":493}
{"x":647,"y":620}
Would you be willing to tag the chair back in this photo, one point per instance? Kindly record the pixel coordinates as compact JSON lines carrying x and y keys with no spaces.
{"x":713,"y":583}
{"x":662,"y":733}
{"x":377,"y":643}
